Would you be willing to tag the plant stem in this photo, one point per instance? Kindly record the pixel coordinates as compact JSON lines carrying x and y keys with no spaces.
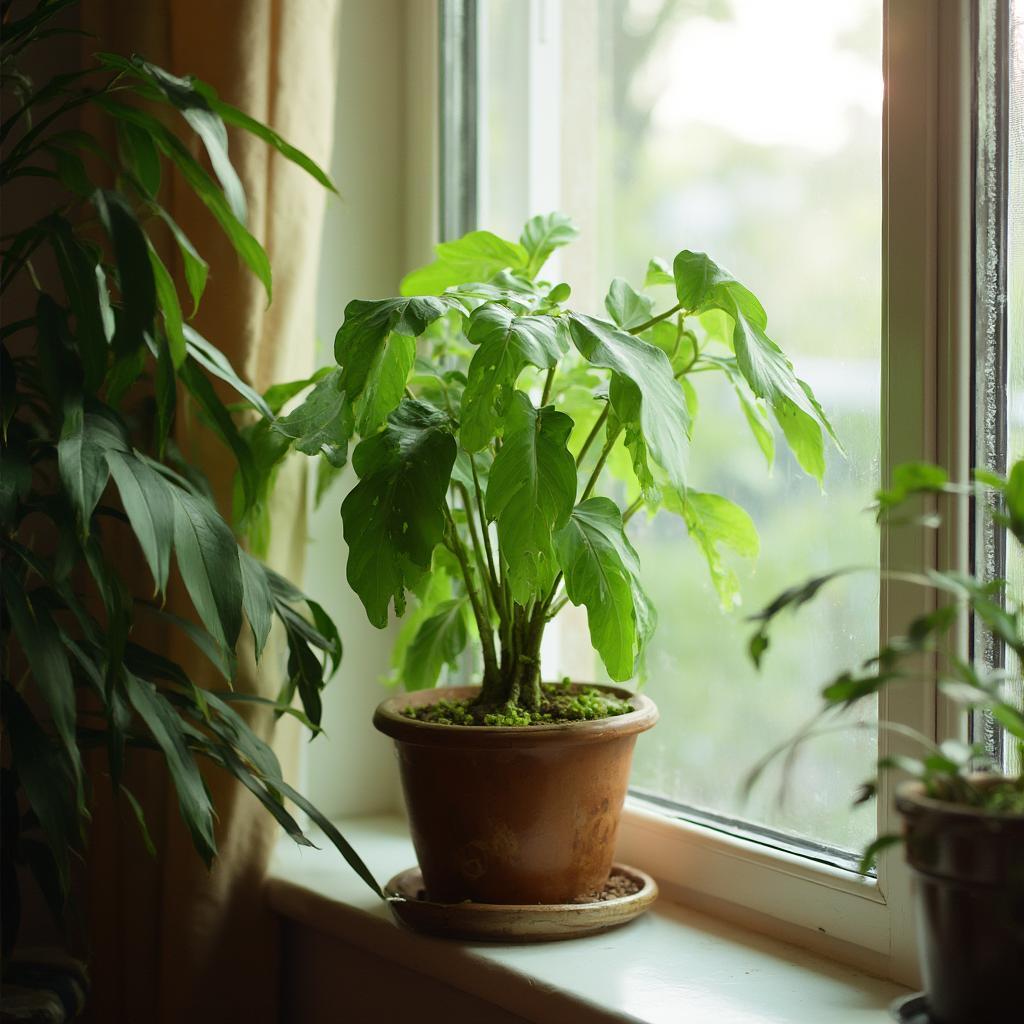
{"x":594,"y":431}
{"x":483,"y":525}
{"x":490,"y":584}
{"x":633,"y":509}
{"x":601,"y":460}
{"x":656,"y":319}
{"x":548,"y":382}
{"x":457,"y":548}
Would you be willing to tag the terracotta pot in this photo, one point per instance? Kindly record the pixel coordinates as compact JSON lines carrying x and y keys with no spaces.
{"x":513,"y":815}
{"x":969,"y":874}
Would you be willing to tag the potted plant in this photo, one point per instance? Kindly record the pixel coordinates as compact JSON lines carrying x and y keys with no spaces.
{"x":507,"y":440}
{"x":963,"y":820}
{"x":90,"y":477}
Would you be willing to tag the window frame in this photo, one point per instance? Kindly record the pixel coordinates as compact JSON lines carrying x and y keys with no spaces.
{"x":927,"y":308}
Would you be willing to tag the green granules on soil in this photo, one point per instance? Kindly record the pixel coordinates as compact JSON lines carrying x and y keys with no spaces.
{"x":558,"y":705}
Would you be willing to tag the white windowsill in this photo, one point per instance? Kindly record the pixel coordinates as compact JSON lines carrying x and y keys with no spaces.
{"x":672,"y":964}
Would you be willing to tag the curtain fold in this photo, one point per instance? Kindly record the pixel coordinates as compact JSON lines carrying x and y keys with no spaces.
{"x":169,"y":941}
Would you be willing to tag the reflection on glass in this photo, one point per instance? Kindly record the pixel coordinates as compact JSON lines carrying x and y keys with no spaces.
{"x":751,"y":131}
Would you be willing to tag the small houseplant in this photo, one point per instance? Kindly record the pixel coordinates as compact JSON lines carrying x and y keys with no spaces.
{"x":963,"y":819}
{"x":506,"y":441}
{"x":90,"y":476}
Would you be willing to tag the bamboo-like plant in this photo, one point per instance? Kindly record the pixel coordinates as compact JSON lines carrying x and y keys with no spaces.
{"x":497,"y":424}
{"x":90,"y":381}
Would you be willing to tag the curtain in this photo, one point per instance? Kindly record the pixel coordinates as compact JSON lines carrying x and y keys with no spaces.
{"x":169,"y":941}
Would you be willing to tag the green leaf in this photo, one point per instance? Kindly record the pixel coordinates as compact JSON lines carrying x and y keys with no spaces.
{"x":167,"y":296}
{"x":257,"y":600}
{"x":874,"y":848}
{"x":530,"y":493}
{"x":507,"y":343}
{"x":702,"y":284}
{"x":139,"y":155}
{"x":239,"y":119}
{"x":911,"y":478}
{"x":759,"y":426}
{"x":51,"y":673}
{"x":715,"y":522}
{"x":196,"y":268}
{"x":15,"y":480}
{"x":649,"y":397}
{"x":81,"y":458}
{"x":207,"y":558}
{"x":602,"y":571}
{"x":804,"y":437}
{"x":394,"y":517}
{"x":166,"y":728}
{"x":223,"y":426}
{"x":201,"y":184}
{"x":476,"y":256}
{"x":148,"y":501}
{"x":140,"y":818}
{"x":134,"y":272}
{"x":658,"y":272}
{"x":165,"y":391}
{"x":542,"y":235}
{"x":366,"y":327}
{"x":626,"y":306}
{"x":211,"y":357}
{"x":323,"y":422}
{"x":196,"y":111}
{"x":385,"y":384}
{"x":438,"y":642}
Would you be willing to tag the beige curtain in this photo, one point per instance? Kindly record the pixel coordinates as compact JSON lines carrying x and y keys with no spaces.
{"x":169,"y":941}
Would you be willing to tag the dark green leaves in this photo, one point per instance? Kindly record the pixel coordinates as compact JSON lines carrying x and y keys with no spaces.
{"x":542,"y":235}
{"x":207,"y":557}
{"x":323,"y":422}
{"x":649,"y":397}
{"x":134,"y":273}
{"x":394,"y":516}
{"x":530,"y":493}
{"x":602,"y":571}
{"x":81,"y":458}
{"x":477,"y":256}
{"x":367,"y":324}
{"x":507,"y":343}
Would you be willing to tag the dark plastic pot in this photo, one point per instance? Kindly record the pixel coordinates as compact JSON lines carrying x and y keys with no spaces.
{"x":969,"y":874}
{"x":513,"y":815}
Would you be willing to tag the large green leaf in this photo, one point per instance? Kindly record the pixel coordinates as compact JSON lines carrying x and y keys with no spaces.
{"x":394,"y":517}
{"x":167,"y":296}
{"x":476,"y":256}
{"x":134,"y":272}
{"x":507,"y":343}
{"x":323,"y":422}
{"x":140,"y":156}
{"x":366,"y":327}
{"x":167,"y":729}
{"x":51,"y":673}
{"x":207,"y":557}
{"x":602,"y":571}
{"x":211,"y":357}
{"x":702,"y":284}
{"x":438,"y":642}
{"x":715,"y":522}
{"x":645,"y":393}
{"x":542,"y":235}
{"x":148,"y":500}
{"x":196,"y":268}
{"x":84,"y":439}
{"x":530,"y":493}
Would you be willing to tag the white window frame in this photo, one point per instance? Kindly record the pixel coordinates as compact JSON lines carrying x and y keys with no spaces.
{"x":926,"y":351}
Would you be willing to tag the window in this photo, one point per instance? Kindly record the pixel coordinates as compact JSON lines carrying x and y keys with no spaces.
{"x":635,"y":126}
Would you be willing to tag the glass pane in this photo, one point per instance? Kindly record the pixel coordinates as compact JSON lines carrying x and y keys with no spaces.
{"x":751,"y":131}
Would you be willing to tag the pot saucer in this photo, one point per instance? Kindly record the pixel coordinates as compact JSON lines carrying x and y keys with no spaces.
{"x":497,"y":922}
{"x":911,"y":1010}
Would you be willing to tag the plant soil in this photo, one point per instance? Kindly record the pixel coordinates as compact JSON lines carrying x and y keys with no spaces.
{"x":617,"y":886}
{"x":560,"y":704}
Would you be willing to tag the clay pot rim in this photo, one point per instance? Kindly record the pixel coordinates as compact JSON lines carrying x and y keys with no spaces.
{"x":389,"y":720}
{"x":912,"y":799}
